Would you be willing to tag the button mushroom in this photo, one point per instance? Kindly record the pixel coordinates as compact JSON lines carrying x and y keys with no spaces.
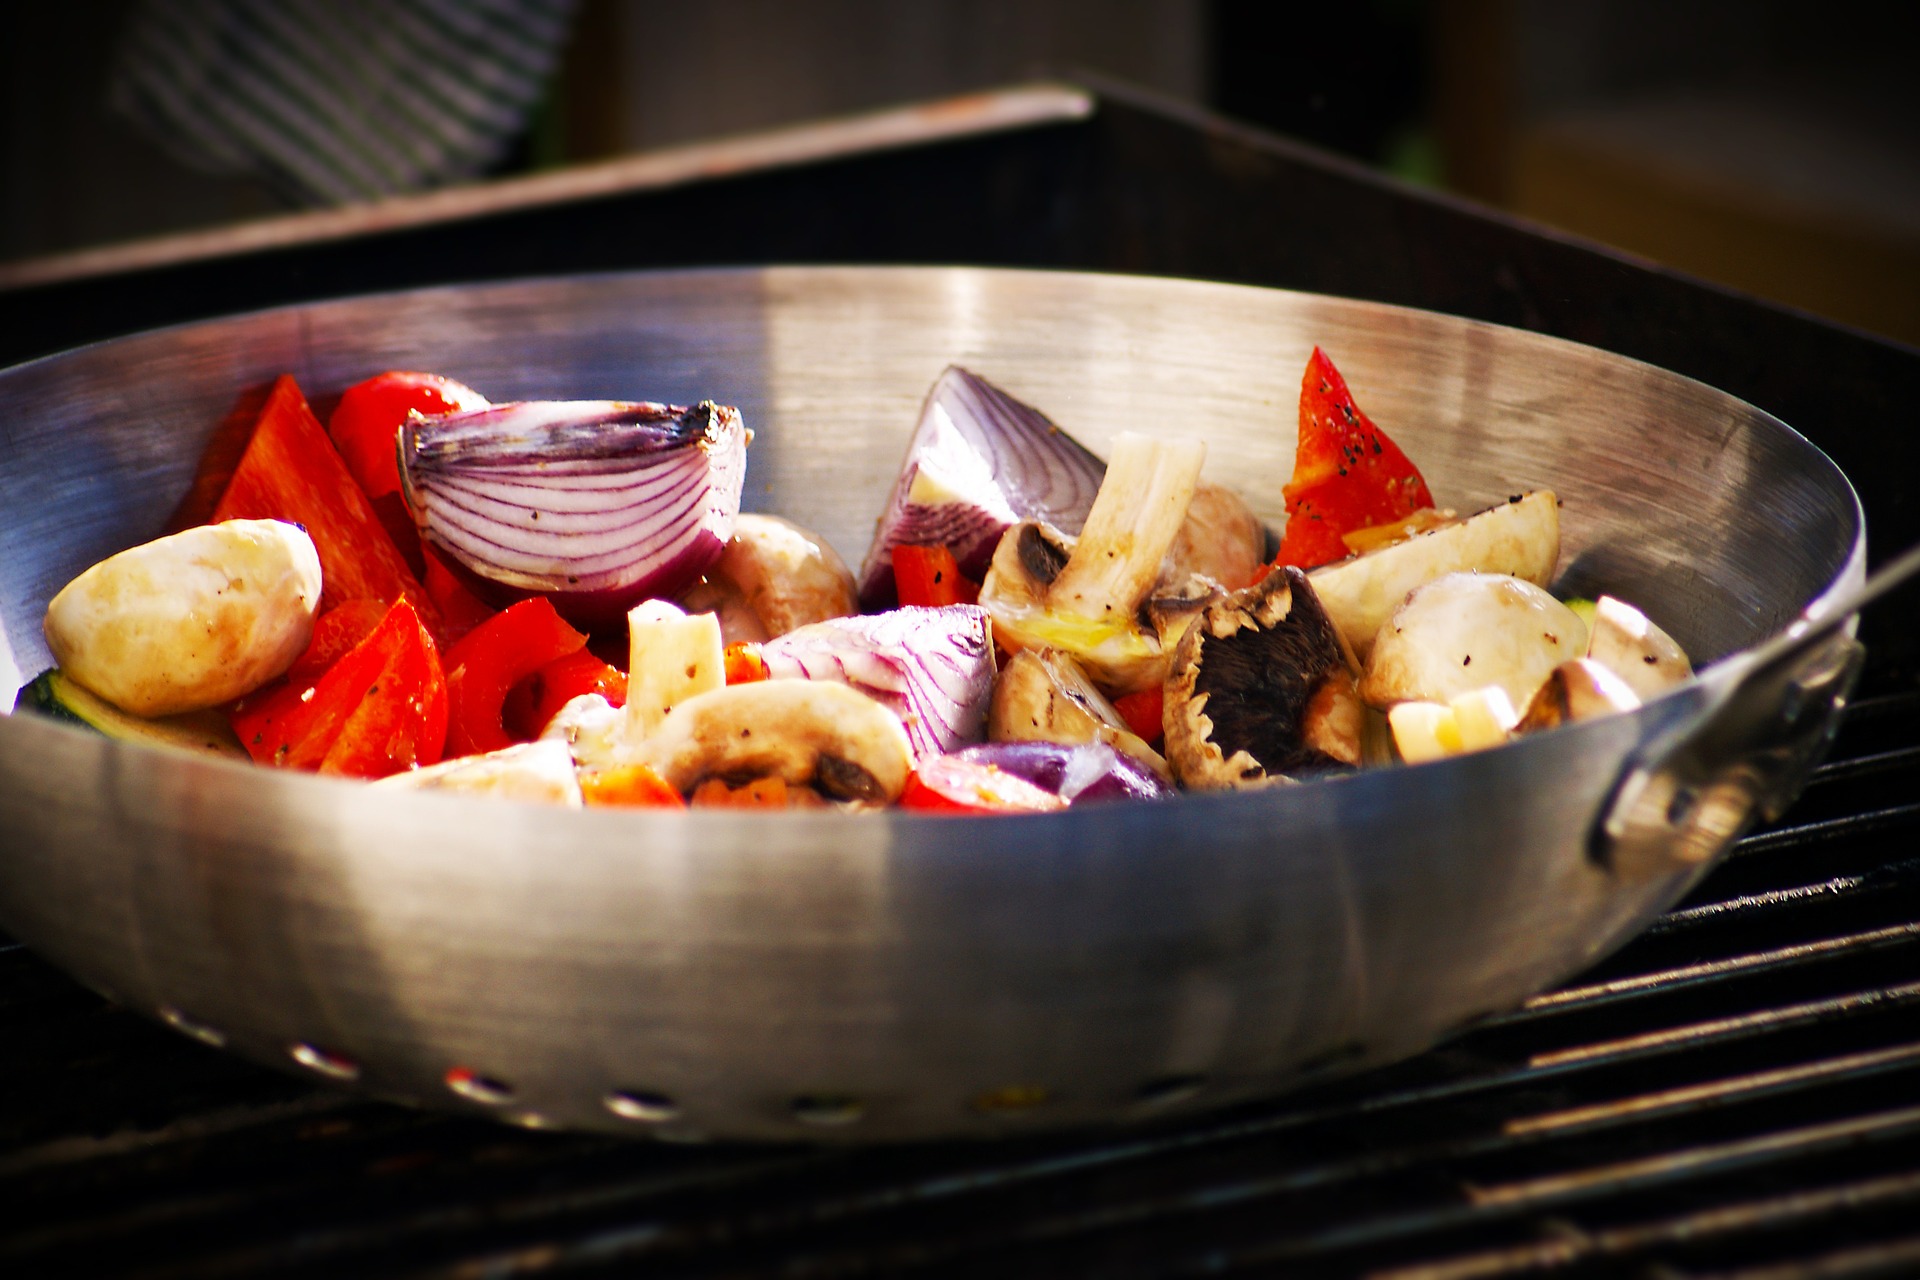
{"x":1464,"y":631}
{"x":1046,"y":590}
{"x":787,"y":576}
{"x":1261,"y":687}
{"x":1626,"y":642}
{"x":1520,"y":538}
{"x":1576,"y":690}
{"x":190,"y":620}
{"x":1221,"y":540}
{"x":805,"y":732}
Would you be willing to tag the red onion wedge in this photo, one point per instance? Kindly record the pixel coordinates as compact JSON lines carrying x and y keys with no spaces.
{"x":1079,"y":773}
{"x":932,"y":667}
{"x":979,"y":461}
{"x":595,"y":504}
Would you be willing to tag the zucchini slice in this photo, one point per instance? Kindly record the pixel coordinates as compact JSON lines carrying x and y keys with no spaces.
{"x":52,"y":694}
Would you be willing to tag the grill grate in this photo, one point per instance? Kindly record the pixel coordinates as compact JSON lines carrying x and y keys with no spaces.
{"x":1732,"y":1095}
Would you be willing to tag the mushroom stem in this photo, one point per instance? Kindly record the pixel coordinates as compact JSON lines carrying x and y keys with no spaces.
{"x":1135,"y":518}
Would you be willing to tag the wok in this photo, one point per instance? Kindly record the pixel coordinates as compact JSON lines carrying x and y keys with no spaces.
{"x":889,"y":976}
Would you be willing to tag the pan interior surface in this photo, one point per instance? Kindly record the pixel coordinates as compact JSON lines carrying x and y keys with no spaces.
{"x":878,"y":977}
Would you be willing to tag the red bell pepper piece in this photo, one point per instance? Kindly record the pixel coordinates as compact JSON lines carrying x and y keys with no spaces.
{"x":492,"y":658}
{"x":948,"y":784}
{"x":364,"y":427}
{"x":1346,"y":474}
{"x":380,"y":709}
{"x":370,"y":414}
{"x":630,"y":785}
{"x":334,"y":632}
{"x":536,"y":700}
{"x":291,"y":472}
{"x":461,"y":608}
{"x":1144,"y":712}
{"x":744,"y":663}
{"x":931,"y":576}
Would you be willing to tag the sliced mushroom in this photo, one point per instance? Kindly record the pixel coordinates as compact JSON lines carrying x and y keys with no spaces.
{"x":1626,"y":642}
{"x":1465,"y":631}
{"x":1577,"y":690}
{"x":1048,"y":591}
{"x":806,"y":732}
{"x":1045,"y":696}
{"x":1261,"y":687}
{"x":539,"y":771}
{"x":1519,"y":538}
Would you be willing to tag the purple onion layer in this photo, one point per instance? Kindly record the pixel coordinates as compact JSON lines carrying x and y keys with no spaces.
{"x":998,"y":460}
{"x":932,"y":667}
{"x":595,"y":504}
{"x":1079,"y":773}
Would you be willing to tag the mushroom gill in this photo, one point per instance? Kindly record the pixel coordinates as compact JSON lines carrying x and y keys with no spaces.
{"x":1261,"y":687}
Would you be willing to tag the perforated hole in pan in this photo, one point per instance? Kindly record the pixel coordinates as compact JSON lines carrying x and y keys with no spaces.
{"x":641,"y":1107}
{"x":474,"y":1087}
{"x":1165,"y":1091}
{"x":205,"y":1033}
{"x":826,"y":1109}
{"x":333,"y":1066}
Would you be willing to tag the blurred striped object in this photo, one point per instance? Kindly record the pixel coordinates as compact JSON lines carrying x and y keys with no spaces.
{"x":334,"y":101}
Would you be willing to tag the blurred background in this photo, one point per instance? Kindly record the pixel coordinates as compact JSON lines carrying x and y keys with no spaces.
{"x":1770,"y":145}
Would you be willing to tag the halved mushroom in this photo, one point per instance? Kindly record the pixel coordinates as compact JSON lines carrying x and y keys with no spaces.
{"x":805,"y":732}
{"x":1464,"y":631}
{"x":1043,"y":695}
{"x":1261,"y":686}
{"x":1519,"y":538}
{"x":1577,"y":690}
{"x":1626,"y":642}
{"x":1048,"y":591}
{"x":540,"y":771}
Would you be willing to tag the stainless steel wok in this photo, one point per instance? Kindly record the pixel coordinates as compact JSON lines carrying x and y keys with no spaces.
{"x":887,"y":976}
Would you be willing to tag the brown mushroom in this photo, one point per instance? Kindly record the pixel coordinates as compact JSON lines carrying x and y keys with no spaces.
{"x":1261,"y":687}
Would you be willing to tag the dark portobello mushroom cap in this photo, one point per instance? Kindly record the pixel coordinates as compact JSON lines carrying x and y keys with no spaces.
{"x":1261,"y":687}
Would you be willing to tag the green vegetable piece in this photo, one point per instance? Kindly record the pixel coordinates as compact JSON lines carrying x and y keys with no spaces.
{"x":53,"y":695}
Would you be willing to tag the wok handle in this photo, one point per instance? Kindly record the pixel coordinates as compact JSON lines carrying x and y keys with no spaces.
{"x":1745,"y":748}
